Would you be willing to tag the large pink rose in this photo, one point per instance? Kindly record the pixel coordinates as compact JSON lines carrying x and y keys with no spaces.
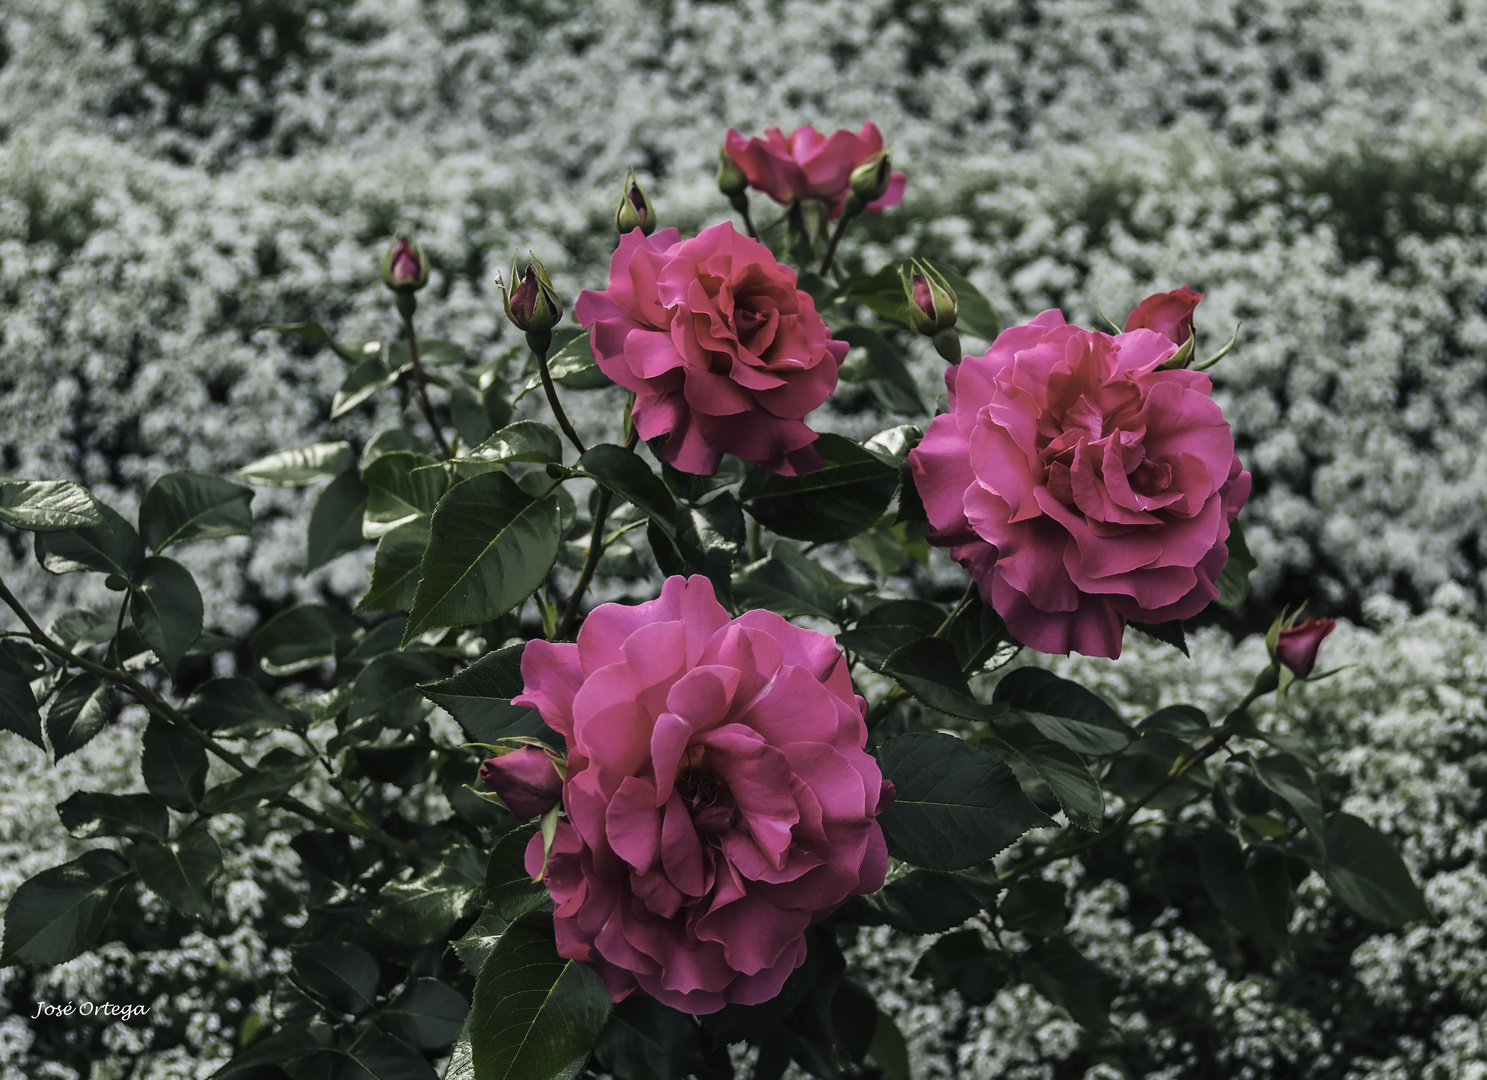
{"x":718,"y":797}
{"x":1081,"y":486}
{"x":808,"y":165}
{"x":724,"y":354}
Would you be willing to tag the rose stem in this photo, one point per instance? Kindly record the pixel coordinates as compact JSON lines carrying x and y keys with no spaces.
{"x":836,"y":238}
{"x":596,"y":552}
{"x":407,"y":304}
{"x":539,"y":344}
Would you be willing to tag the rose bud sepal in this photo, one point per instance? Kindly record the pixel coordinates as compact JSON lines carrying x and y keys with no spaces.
{"x":868,"y":182}
{"x":732,"y":180}
{"x":531,"y":303}
{"x":933,"y":307}
{"x":635,"y":210}
{"x":405,"y":268}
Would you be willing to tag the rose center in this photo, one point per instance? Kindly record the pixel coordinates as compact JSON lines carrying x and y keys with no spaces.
{"x":1151,"y":477}
{"x":706,"y":797}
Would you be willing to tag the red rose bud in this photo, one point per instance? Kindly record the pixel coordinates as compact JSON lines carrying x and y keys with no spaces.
{"x":532,"y":304}
{"x":405,"y":268}
{"x":635,"y":210}
{"x":1296,"y":647}
{"x":1168,"y":313}
{"x":527,"y":780}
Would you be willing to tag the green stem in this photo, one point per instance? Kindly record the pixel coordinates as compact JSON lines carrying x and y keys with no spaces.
{"x":741,"y":204}
{"x":596,"y":552}
{"x":755,"y":540}
{"x":420,"y":380}
{"x":540,"y":344}
{"x":836,"y":238}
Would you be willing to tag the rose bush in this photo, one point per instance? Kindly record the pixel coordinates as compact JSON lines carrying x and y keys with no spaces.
{"x":1081,"y":485}
{"x":809,"y":165}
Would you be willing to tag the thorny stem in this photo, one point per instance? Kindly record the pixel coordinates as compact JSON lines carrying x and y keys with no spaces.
{"x":168,"y":712}
{"x":420,"y":382}
{"x":596,"y":552}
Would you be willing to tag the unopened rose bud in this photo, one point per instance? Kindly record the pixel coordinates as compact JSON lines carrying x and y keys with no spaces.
{"x":932,"y":307}
{"x":731,"y":179}
{"x":532,"y":303}
{"x":870,"y":179}
{"x":527,"y":781}
{"x":1296,"y":647}
{"x":635,"y":210}
{"x":405,"y":268}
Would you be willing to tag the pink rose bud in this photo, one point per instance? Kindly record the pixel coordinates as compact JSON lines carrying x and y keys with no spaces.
{"x":527,"y":781}
{"x":932,"y":307}
{"x":635,"y":210}
{"x":405,"y":268}
{"x":870,"y":180}
{"x":1296,"y":648}
{"x":1169,"y":314}
{"x":532,"y":304}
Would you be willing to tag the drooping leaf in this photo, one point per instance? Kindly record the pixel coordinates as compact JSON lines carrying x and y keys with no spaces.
{"x":791,"y":584}
{"x":305,"y":636}
{"x":79,"y":712}
{"x":525,"y":440}
{"x":272,"y":778}
{"x":889,"y":1051}
{"x":890,"y":626}
{"x":879,"y":364}
{"x":89,"y":814}
{"x":395,"y":568}
{"x":180,"y":871}
{"x":296,"y":468}
{"x":1064,"y":711}
{"x":1170,"y":633}
{"x":400,"y":489}
{"x":919,"y":901}
{"x":1061,"y":769}
{"x":962,"y":962}
{"x":491,"y":546}
{"x":928,"y":669}
{"x":480,"y":698}
{"x":1233,"y":892}
{"x":979,"y":636}
{"x":59,"y":913}
{"x":1066,"y":978}
{"x":535,"y":1014}
{"x":365,"y":379}
{"x":854,"y":1017}
{"x":182,"y":506}
{"x":166,"y":608}
{"x":47,"y":505}
{"x":422,"y":910}
{"x":1288,"y":778}
{"x":480,"y":940}
{"x":80,"y":629}
{"x":335,"y":523}
{"x":112,"y":546}
{"x":238,"y":706}
{"x":1365,"y":872}
{"x":957,"y":806}
{"x":508,"y":889}
{"x":427,"y":1014}
{"x":646,"y":1040}
{"x":388,"y":686}
{"x":174,"y":766}
{"x":18,"y":709}
{"x":339,"y":975}
{"x":626,"y":474}
{"x":1233,"y":581}
{"x":847,"y":494}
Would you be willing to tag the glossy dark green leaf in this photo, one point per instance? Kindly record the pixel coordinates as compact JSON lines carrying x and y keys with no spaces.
{"x":1147,"y":763}
{"x":426,"y":1014}
{"x":957,"y":806}
{"x":571,"y":365}
{"x":400,"y":489}
{"x":47,"y":505}
{"x":368,"y":376}
{"x":1066,"y":978}
{"x":80,"y":629}
{"x":183,"y":506}
{"x":928,"y":669}
{"x":313,"y":331}
{"x":1170,"y":633}
{"x":1063,"y":770}
{"x":492,"y":546}
{"x":1064,"y":711}
{"x":1365,"y":872}
{"x":335,"y":523}
{"x":962,"y":962}
{"x":525,"y":440}
{"x":285,"y":1047}
{"x":920,"y":901}
{"x":296,"y":468}
{"x":19,"y":712}
{"x":1185,"y":721}
{"x":883,"y":294}
{"x":890,"y":626}
{"x":80,"y":710}
{"x":166,"y":608}
{"x":847,"y":494}
{"x":646,"y":1040}
{"x":305,"y":636}
{"x":377,"y":1055}
{"x":889,"y":1051}
{"x":879,"y":364}
{"x":89,"y":814}
{"x":979,"y":636}
{"x":423,"y":909}
{"x":395,"y":568}
{"x":508,"y":888}
{"x":180,"y":871}
{"x":480,"y":940}
{"x":974,"y":314}
{"x":480,"y":697}
{"x":341,"y":976}
{"x":431,"y":352}
{"x":1229,"y":885}
{"x":174,"y":766}
{"x":1233,"y":580}
{"x":709,"y":538}
{"x":854,"y":1017}
{"x":625,"y":473}
{"x":272,"y":778}
{"x":388,"y":686}
{"x":1036,"y":907}
{"x":110,"y":547}
{"x":791,"y":584}
{"x":60,"y":912}
{"x":535,"y":1014}
{"x":240,"y":707}
{"x":1289,"y":779}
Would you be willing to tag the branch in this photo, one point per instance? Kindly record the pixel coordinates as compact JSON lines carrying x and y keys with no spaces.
{"x":420,"y":380}
{"x":596,"y":552}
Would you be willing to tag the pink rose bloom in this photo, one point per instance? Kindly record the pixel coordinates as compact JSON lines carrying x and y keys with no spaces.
{"x":718,"y":799}
{"x":808,"y":165}
{"x":1297,"y":647}
{"x":1169,"y":314}
{"x":1081,"y":486}
{"x":724,"y":354}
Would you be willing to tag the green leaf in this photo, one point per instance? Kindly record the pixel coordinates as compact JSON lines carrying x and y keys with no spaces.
{"x":974,"y":313}
{"x":296,"y":468}
{"x":1365,"y":872}
{"x":283,"y":1048}
{"x":626,"y":474}
{"x":79,"y":629}
{"x":920,"y":901}
{"x":928,"y":669}
{"x":534,"y":1013}
{"x":957,"y":805}
{"x":1289,"y":779}
{"x":525,"y":440}
{"x":166,"y":608}
{"x":646,"y":1040}
{"x":847,"y":494}
{"x":978,"y":635}
{"x":883,"y":294}
{"x":890,"y":626}
{"x":305,"y":636}
{"x":571,"y":365}
{"x":854,"y":1016}
{"x":1185,"y":721}
{"x":47,"y":505}
{"x":426,"y":1014}
{"x":889,"y":1050}
{"x":962,"y":962}
{"x":18,"y":709}
{"x":400,"y":489}
{"x":1148,"y":762}
{"x":376,"y":1055}
{"x":183,"y":506}
{"x":238,"y":706}
{"x":313,"y":331}
{"x":791,"y":584}
{"x":82,"y":707}
{"x":335,"y":523}
{"x":1064,"y":711}
{"x":508,"y":888}
{"x":110,"y":547}
{"x":480,"y":699}
{"x":1066,"y":978}
{"x":1233,"y":581}
{"x":1170,"y":633}
{"x":181,"y":871}
{"x":1035,"y":907}
{"x":879,"y":364}
{"x":174,"y":767}
{"x":90,"y":814}
{"x":480,"y":940}
{"x":1063,"y":770}
{"x":395,"y":568}
{"x":491,"y":547}
{"x":341,"y":976}
{"x":431,"y":352}
{"x":272,"y":778}
{"x":422,"y":910}
{"x":56,"y":915}
{"x":364,"y":380}
{"x":1233,"y":892}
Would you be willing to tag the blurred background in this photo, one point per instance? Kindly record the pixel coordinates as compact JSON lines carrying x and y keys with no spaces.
{"x":174,"y":174}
